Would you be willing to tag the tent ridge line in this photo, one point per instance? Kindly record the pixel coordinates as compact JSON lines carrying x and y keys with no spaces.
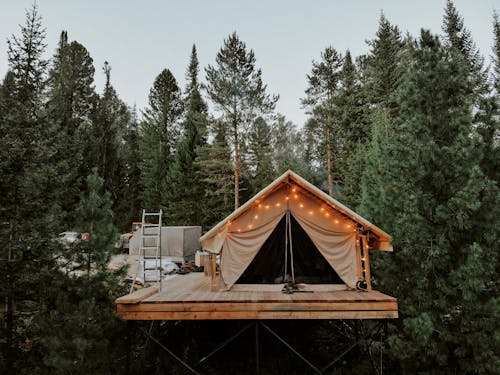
{"x":291,"y":177}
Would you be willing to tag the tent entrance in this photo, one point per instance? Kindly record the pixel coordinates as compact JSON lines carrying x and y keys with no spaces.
{"x":309,"y":265}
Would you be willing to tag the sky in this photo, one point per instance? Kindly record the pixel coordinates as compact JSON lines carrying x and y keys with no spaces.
{"x":141,"y":38}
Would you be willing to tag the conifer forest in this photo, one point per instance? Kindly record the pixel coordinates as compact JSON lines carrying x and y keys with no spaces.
{"x":406,"y":135}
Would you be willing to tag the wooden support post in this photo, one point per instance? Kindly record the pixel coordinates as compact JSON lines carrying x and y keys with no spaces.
{"x":368,"y":274}
{"x":213,"y":270}
{"x":358,"y":257}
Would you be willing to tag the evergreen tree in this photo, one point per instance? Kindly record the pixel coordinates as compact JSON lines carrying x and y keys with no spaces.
{"x":353,"y":130}
{"x":29,"y":213}
{"x":184,"y":187}
{"x":459,"y":38}
{"x":106,"y":149}
{"x":132,"y":201}
{"x":216,"y":174}
{"x":71,"y":100}
{"x":321,"y":94}
{"x":260,"y":156}
{"x":235,"y":87}
{"x":79,"y":334}
{"x":383,"y":65}
{"x":440,"y":209}
{"x":496,"y":52}
{"x":288,"y":148}
{"x":158,"y":135}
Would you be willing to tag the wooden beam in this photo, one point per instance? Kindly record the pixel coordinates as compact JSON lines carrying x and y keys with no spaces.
{"x":234,"y":306}
{"x":227,"y":315}
{"x":137,"y":296}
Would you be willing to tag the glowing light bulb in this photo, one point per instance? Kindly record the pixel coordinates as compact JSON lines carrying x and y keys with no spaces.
{"x":260,"y":205}
{"x":301,"y":205}
{"x":239,"y":230}
{"x":287,"y":198}
{"x":311,"y":213}
{"x":256,"y":217}
{"x":294,"y":190}
{"x":296,"y":196}
{"x":327,"y":214}
{"x":321,"y":209}
{"x":268,"y":207}
{"x":278,"y":204}
{"x":250,"y":226}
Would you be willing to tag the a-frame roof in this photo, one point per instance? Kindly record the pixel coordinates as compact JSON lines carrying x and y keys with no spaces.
{"x":291,"y":177}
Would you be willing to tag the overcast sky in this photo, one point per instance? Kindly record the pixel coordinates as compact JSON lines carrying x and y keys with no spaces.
{"x":140,"y":38}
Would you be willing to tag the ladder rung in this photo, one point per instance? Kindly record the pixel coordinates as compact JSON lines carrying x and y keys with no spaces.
{"x":151,"y":225}
{"x":152,"y":214}
{"x":150,"y":247}
{"x":150,"y":235}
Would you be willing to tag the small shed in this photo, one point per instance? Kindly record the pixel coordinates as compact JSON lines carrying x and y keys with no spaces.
{"x":179,"y":243}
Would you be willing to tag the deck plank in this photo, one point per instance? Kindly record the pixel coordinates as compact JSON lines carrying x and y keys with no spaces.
{"x":190,"y":297}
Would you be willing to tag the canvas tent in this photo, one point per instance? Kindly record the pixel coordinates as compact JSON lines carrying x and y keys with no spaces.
{"x":292,"y":225}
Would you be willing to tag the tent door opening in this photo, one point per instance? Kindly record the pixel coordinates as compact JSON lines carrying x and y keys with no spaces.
{"x":289,"y":253}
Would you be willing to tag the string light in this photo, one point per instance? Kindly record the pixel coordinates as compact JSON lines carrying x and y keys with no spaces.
{"x":287,"y":198}
{"x":239,"y":230}
{"x":260,"y":205}
{"x":311,"y":212}
{"x":250,"y":226}
{"x":256,"y":217}
{"x":322,"y":209}
{"x":301,"y":205}
{"x":268,"y":207}
{"x":294,"y":189}
{"x":327,"y":214}
{"x":296,"y":196}
{"x":336,"y":221}
{"x":278,"y":204}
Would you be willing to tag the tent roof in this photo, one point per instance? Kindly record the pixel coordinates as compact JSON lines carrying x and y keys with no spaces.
{"x":293,"y":178}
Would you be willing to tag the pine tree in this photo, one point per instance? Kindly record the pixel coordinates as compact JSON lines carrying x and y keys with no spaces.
{"x":260,"y":156}
{"x":384,"y":65}
{"x":132,"y":200}
{"x":235,"y":87}
{"x":29,"y":212}
{"x":84,"y":303}
{"x":496,"y":52}
{"x":106,"y":149}
{"x":216,"y":174}
{"x":71,"y":100}
{"x":158,"y":135}
{"x":459,"y":38}
{"x":321,"y":94}
{"x":184,"y":187}
{"x":431,"y":195}
{"x":289,"y":149}
{"x":353,"y":129}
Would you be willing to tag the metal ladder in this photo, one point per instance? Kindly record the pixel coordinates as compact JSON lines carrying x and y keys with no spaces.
{"x":150,"y":247}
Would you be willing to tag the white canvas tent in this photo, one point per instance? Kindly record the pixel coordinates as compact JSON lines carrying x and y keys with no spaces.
{"x":334,"y":229}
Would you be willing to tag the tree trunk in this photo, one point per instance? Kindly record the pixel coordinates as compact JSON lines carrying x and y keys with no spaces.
{"x":329,"y":162}
{"x":236,"y":169}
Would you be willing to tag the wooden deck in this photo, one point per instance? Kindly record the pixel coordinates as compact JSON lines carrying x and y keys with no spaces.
{"x":189,"y":297}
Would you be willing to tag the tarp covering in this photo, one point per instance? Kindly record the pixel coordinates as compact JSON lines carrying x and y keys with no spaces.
{"x":270,"y":263}
{"x":329,"y":224}
{"x":332,"y":234}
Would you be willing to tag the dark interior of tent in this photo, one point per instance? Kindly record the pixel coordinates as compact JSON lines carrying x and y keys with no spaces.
{"x":268,"y":266}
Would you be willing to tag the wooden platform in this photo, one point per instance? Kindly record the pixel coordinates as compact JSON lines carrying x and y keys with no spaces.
{"x":189,"y":297}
